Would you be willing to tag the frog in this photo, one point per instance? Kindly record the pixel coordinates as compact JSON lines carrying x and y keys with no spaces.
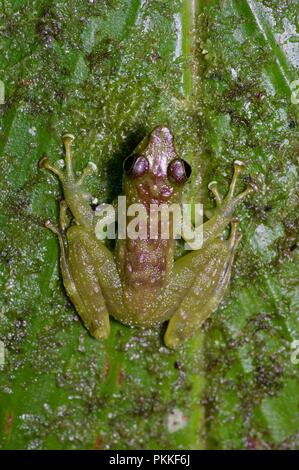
{"x":139,"y":282}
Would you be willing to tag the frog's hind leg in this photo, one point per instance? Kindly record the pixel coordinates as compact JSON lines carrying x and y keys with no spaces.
{"x":213,"y":269}
{"x":81,"y":284}
{"x":95,"y":274}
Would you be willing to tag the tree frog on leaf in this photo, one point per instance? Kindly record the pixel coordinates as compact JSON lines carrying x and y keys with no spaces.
{"x":140,"y":284}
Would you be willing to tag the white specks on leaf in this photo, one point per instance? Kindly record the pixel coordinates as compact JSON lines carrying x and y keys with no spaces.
{"x":234,"y":73}
{"x":179,"y":31}
{"x":93,"y":166}
{"x":32,"y":131}
{"x":176,"y":420}
{"x":60,"y":163}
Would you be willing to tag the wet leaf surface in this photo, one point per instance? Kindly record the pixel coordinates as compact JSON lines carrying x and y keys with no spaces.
{"x":221,"y":76}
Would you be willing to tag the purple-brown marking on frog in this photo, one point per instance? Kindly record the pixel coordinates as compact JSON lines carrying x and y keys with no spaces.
{"x":145,"y":261}
{"x":155,"y":187}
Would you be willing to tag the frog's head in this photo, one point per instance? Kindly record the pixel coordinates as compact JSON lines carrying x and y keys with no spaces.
{"x":155,"y":168}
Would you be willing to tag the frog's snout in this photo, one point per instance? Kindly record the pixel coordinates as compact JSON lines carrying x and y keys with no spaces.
{"x":160,"y":151}
{"x":162,"y":135}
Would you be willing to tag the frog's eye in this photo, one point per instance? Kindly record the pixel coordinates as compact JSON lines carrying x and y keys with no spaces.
{"x":179,"y":171}
{"x":136,"y":166}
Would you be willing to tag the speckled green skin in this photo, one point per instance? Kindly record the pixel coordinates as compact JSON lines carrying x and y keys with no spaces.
{"x":142,"y":285}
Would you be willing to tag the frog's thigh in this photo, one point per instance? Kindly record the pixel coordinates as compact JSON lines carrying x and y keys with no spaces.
{"x":180,"y":281}
{"x":90,"y":278}
{"x":212,"y":269}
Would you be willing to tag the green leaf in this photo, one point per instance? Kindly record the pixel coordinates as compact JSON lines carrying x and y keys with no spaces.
{"x":221,"y":75}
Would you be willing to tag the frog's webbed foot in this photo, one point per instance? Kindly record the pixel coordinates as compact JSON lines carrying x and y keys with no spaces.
{"x":225,"y":207}
{"x":77,"y":199}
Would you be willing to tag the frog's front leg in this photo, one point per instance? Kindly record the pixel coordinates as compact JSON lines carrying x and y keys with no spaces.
{"x":205,"y":273}
{"x":77,"y":199}
{"x":226,"y":207}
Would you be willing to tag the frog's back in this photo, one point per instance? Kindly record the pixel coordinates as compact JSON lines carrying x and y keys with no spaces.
{"x":154,"y":175}
{"x":145,"y":265}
